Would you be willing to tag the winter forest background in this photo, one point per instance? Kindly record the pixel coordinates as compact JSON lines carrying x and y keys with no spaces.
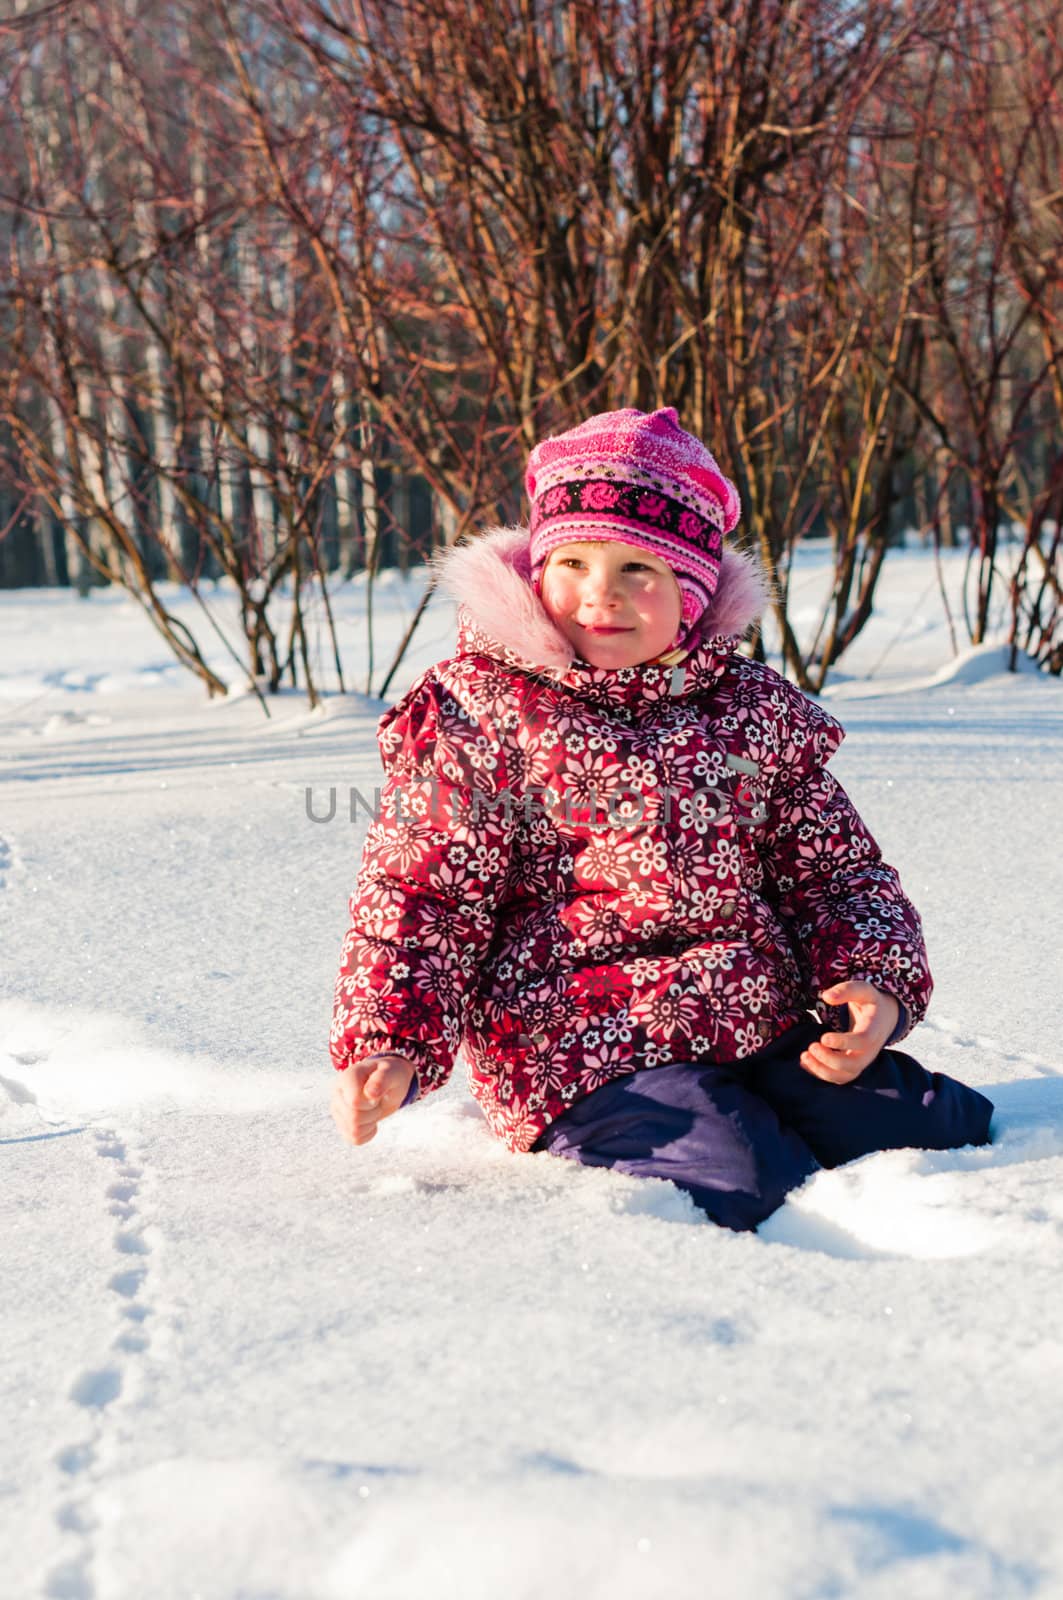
{"x":290,"y":288}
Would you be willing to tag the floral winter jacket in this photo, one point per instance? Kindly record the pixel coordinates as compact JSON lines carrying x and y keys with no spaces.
{"x":576,"y":872}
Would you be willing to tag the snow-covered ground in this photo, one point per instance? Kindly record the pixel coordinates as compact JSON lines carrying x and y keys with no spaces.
{"x":243,"y":1361}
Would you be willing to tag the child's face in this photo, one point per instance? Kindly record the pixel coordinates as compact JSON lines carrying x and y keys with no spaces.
{"x":615,"y":604}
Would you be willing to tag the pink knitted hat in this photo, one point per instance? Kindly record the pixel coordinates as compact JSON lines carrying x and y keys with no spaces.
{"x":638,"y":477}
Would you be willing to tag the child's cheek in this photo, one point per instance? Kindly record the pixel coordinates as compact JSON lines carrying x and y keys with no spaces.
{"x":553,"y":596}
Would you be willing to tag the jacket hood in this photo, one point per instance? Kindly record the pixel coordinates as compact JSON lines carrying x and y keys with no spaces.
{"x":501,"y":615}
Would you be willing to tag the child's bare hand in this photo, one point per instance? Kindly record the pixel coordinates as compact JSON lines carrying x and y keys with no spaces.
{"x":363,"y":1094}
{"x":841,"y":1057}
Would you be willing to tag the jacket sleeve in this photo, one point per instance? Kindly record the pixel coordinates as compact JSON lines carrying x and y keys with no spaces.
{"x":842,"y":904}
{"x":434,"y":867}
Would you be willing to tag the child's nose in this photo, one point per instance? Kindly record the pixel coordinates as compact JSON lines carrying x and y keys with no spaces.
{"x":600,"y":586}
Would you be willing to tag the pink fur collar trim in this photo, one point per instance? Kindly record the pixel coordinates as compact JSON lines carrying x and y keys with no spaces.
{"x":490,"y":578}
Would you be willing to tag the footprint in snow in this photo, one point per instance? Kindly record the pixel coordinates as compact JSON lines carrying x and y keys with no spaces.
{"x":99,"y":1389}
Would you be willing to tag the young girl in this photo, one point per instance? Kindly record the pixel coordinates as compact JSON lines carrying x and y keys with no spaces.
{"x":610,"y":864}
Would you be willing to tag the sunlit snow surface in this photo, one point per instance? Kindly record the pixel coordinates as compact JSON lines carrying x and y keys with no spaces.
{"x":246,"y":1362}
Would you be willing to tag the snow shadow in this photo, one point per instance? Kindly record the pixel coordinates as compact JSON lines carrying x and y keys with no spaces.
{"x":893,"y":1536}
{"x":36,"y":1138}
{"x":1027,"y":1110}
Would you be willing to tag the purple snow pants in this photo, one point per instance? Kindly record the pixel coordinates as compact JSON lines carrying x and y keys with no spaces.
{"x":739,"y":1135}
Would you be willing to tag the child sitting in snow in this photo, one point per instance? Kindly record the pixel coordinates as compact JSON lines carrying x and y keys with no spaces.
{"x":610,"y":863}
